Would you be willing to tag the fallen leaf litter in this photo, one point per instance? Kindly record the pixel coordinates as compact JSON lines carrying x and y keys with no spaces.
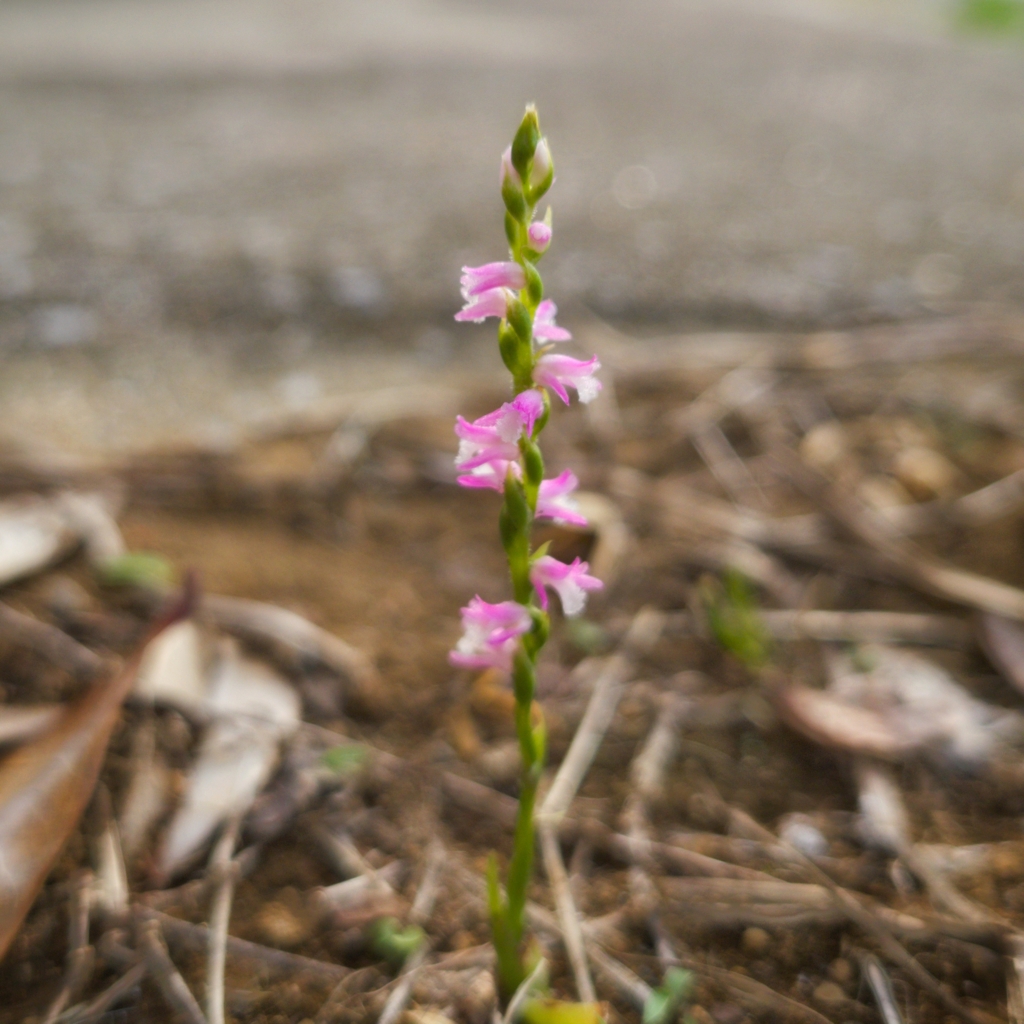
{"x":829,"y":834}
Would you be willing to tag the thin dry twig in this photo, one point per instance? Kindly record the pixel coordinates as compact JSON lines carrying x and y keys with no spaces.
{"x":220,"y":869}
{"x":727,"y":467}
{"x":162,"y":970}
{"x":643,"y":633}
{"x":572,"y":934}
{"x":872,"y":923}
{"x":753,"y":995}
{"x":480,"y":799}
{"x":195,"y":938}
{"x":881,"y":987}
{"x":49,"y":642}
{"x":905,"y":559}
{"x":787,"y":624}
{"x":422,"y":908}
{"x":647,"y":774}
{"x":108,"y":998}
{"x":81,"y":956}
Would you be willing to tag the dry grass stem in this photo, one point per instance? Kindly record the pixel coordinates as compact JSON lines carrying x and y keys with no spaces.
{"x":881,"y":988}
{"x":195,"y":938}
{"x":220,"y":870}
{"x":81,"y":957}
{"x":49,"y":642}
{"x":172,"y":985}
{"x":905,"y":559}
{"x":642,"y":635}
{"x":108,"y":998}
{"x":727,"y":467}
{"x":568,"y":916}
{"x":787,"y":624}
{"x":422,"y":908}
{"x":873,"y":923}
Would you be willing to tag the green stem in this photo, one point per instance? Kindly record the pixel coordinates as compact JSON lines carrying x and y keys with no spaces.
{"x":508,"y":911}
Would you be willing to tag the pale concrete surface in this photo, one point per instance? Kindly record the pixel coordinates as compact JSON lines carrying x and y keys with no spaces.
{"x":210,"y":211}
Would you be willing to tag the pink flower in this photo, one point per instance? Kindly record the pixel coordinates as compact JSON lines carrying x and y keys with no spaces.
{"x":479,"y":307}
{"x":559,"y":372}
{"x":496,"y":435}
{"x":554,"y":501}
{"x":491,"y":275}
{"x":490,"y":634}
{"x":539,"y":235}
{"x":570,"y":581}
{"x":491,"y":474}
{"x":544,"y":326}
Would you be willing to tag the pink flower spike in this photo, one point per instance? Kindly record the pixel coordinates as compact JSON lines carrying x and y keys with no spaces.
{"x":544,"y":326}
{"x":479,"y":307}
{"x":490,"y":634}
{"x":491,"y":275}
{"x":571,"y":582}
{"x":539,"y":235}
{"x":496,"y":435}
{"x":561,"y":372}
{"x":554,"y":501}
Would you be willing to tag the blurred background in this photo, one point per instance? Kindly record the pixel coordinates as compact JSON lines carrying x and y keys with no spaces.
{"x":214,"y":213}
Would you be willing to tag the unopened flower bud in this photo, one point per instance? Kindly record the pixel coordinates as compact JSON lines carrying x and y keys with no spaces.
{"x":524,"y":145}
{"x":534,"y":284}
{"x":542,"y":172}
{"x":512,"y":187}
{"x":519,"y":317}
{"x":539,"y":235}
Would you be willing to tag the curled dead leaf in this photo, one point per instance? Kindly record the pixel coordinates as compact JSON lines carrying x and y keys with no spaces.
{"x":46,"y":783}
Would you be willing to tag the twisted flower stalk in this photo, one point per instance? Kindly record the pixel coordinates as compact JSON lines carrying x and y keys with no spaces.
{"x":500,"y":451}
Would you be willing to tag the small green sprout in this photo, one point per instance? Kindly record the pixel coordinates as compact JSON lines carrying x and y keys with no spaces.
{"x":344,"y":759}
{"x":392,"y":941}
{"x":664,"y":1003}
{"x":136,"y":569}
{"x":734,"y":618}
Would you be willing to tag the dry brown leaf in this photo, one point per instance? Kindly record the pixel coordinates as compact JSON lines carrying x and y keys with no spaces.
{"x":46,"y":783}
{"x":823,"y":718}
{"x":889,"y":703}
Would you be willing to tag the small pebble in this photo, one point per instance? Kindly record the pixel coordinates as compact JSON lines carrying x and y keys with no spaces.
{"x":756,"y":941}
{"x":829,"y":993}
{"x":700,"y":1016}
{"x":841,"y":971}
{"x":925,"y":472}
{"x":824,"y":445}
{"x":279,"y":926}
{"x":798,"y":830}
{"x":1008,"y":861}
{"x":463,"y":940}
